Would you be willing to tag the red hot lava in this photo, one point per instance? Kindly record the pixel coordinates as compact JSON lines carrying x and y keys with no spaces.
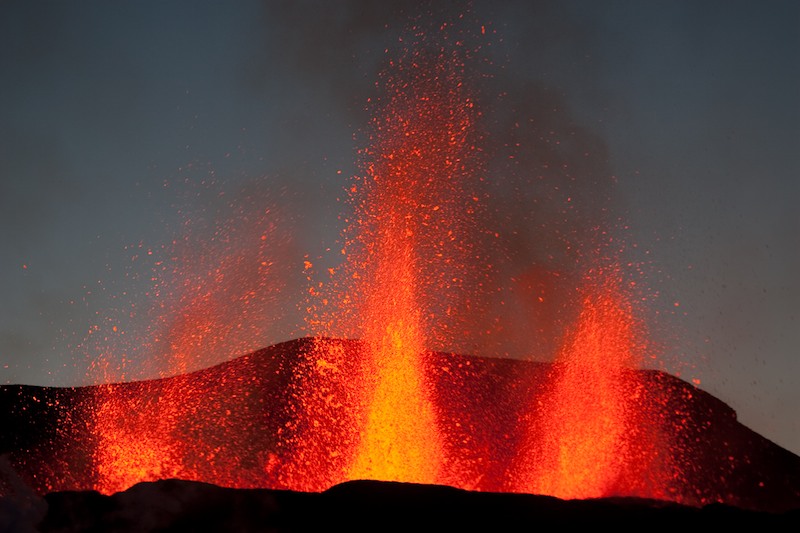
{"x":211,"y":304}
{"x":408,"y":256}
{"x":585,"y":436}
{"x":378,"y":412}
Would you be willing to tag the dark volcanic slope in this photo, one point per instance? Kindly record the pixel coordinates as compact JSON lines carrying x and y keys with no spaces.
{"x":238,"y":426}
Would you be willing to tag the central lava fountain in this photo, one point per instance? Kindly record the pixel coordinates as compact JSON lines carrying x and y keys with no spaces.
{"x":408,"y":258}
{"x":411,"y":207}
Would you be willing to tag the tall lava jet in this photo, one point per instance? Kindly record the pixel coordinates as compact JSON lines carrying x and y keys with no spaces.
{"x":586,"y":435}
{"x":408,"y":259}
{"x":410,"y":208}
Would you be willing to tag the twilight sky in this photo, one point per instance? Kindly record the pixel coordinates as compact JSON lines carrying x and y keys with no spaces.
{"x":149,"y":147}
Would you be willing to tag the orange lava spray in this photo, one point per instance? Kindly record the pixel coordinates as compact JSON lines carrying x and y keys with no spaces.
{"x":399,"y":439}
{"x":579,"y":443}
{"x":214,"y":302}
{"x":135,"y":439}
{"x":407,"y":259}
{"x":405,"y":211}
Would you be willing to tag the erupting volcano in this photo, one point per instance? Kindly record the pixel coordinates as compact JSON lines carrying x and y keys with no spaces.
{"x":376,"y":391}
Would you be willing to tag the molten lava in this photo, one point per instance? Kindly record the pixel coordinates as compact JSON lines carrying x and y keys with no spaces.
{"x":135,"y":439}
{"x":399,"y":440}
{"x":390,"y":407}
{"x":578,"y":443}
{"x":407,"y":257}
{"x":211,"y":305}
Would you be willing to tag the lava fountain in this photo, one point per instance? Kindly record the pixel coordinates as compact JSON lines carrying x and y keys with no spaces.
{"x":585,"y":437}
{"x":212,"y":295}
{"x":415,"y":258}
{"x":416,"y":163}
{"x":407,"y":258}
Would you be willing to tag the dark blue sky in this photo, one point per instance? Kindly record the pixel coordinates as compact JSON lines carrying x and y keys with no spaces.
{"x":126,"y":126}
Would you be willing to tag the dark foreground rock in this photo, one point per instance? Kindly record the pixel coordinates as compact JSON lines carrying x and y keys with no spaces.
{"x":174,"y":505}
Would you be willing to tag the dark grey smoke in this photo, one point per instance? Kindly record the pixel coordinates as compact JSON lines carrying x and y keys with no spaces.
{"x":550,"y":204}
